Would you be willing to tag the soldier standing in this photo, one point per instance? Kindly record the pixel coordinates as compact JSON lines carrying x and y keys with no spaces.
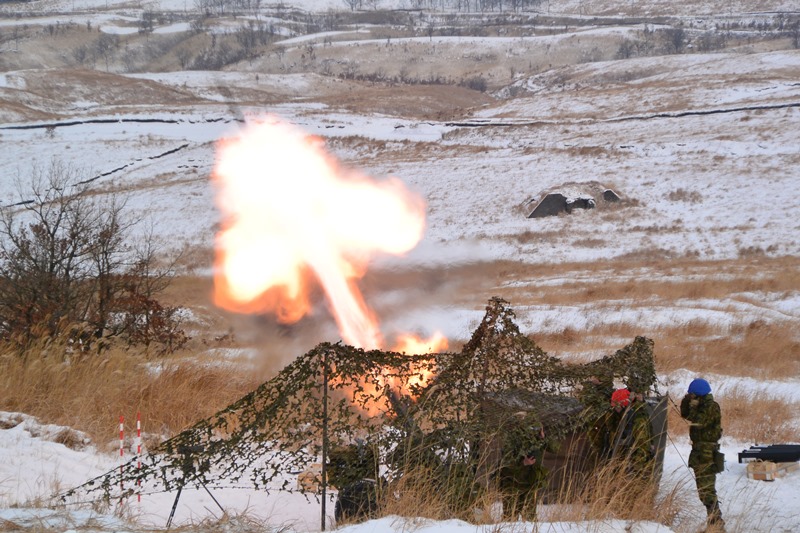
{"x":633,"y":436}
{"x":705,"y":430}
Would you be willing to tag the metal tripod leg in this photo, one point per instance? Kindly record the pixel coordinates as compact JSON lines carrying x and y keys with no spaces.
{"x":212,"y":496}
{"x":174,"y":506}
{"x":178,"y":495}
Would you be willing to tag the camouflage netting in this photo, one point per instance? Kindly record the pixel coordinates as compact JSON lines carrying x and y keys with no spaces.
{"x":428,"y":410}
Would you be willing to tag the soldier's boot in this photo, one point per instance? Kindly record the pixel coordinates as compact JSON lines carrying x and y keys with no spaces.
{"x":714,"y":521}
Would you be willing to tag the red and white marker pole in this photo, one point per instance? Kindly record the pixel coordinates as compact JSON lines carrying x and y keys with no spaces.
{"x":138,"y":456}
{"x":121,"y":449}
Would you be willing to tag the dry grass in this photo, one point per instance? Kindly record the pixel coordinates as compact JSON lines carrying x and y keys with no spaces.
{"x":590,"y":498}
{"x":90,"y":394}
{"x":742,"y":345}
{"x":412,"y":496}
{"x":630,"y":499}
{"x":682,"y":195}
{"x":759,"y":419}
{"x":756,"y":349}
{"x":242,"y":522}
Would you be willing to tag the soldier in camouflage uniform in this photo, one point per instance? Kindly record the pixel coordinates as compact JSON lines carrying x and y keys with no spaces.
{"x":633,"y":436}
{"x":353,"y":470}
{"x":705,"y":430}
{"x":522,"y":476}
{"x":597,"y":418}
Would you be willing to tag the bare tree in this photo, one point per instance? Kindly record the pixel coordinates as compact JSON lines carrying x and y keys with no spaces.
{"x":220,"y":6}
{"x":15,"y":34}
{"x":107,"y":255}
{"x":247,"y":37}
{"x":184,"y":57}
{"x":675,"y":40}
{"x":105,"y":46}
{"x":626,"y":50}
{"x":203,"y":6}
{"x":81,"y":54}
{"x":142,"y":319}
{"x":43,"y":261}
{"x":67,"y":268}
{"x":147,"y":22}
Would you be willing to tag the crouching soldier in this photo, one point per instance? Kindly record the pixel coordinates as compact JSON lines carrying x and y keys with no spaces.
{"x":353,"y":470}
{"x":522,"y":476}
{"x":705,"y":430}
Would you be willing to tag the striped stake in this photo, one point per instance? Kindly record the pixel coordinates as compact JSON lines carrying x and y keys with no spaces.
{"x":121,"y":450}
{"x":138,"y":457}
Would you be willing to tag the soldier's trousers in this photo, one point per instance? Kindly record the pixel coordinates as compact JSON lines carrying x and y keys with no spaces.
{"x":705,"y":478}
{"x":520,"y":503}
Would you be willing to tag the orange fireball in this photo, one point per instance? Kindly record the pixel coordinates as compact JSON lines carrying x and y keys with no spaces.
{"x":293,"y":217}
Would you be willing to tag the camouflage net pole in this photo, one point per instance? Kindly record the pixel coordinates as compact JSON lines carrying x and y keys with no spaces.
{"x":412,"y":410}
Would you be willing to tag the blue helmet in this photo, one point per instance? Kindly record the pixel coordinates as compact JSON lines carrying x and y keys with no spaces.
{"x":699,"y":387}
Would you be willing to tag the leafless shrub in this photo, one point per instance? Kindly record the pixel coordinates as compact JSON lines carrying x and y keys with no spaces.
{"x":216,"y":57}
{"x":66,"y":269}
{"x":626,"y":49}
{"x":673,"y":39}
{"x":81,"y":54}
{"x":682,"y":195}
{"x":71,"y":439}
{"x":105,"y":48}
{"x":709,"y":41}
{"x":757,"y":251}
{"x":592,"y":55}
{"x":476,"y":83}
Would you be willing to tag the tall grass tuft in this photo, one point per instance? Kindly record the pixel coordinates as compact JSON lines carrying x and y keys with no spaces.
{"x":612,"y":491}
{"x":90,"y":393}
{"x":609,"y":491}
{"x":758,"y":418}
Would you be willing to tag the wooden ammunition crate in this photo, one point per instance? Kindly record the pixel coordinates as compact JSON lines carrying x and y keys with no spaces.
{"x":769,"y":471}
{"x":311,"y":479}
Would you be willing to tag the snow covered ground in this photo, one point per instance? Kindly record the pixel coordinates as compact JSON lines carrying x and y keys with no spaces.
{"x":33,"y":467}
{"x":705,"y":144}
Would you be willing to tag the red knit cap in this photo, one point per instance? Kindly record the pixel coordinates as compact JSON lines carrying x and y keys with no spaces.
{"x":621,"y":398}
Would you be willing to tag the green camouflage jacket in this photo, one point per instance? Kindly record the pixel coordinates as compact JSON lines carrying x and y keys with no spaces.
{"x":705,"y":418}
{"x":633,"y":436}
